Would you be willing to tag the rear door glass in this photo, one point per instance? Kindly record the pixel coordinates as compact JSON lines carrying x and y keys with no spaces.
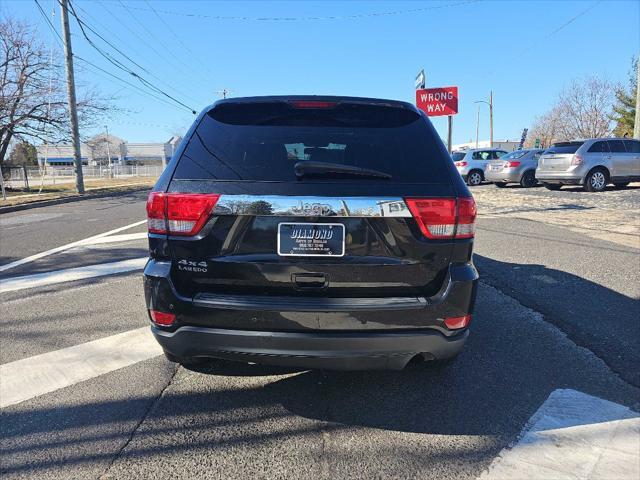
{"x":599,"y":147}
{"x":617,"y":146}
{"x":482,"y":155}
{"x":563,"y":148}
{"x":264,"y":141}
{"x":633,"y":146}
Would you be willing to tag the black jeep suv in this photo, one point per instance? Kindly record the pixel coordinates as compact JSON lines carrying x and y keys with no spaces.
{"x":315,"y":232}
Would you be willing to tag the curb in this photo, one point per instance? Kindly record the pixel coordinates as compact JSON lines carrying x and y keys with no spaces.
{"x":73,"y":198}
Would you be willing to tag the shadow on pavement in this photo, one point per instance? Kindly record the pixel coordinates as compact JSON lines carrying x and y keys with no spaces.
{"x":593,"y":316}
{"x":511,"y":363}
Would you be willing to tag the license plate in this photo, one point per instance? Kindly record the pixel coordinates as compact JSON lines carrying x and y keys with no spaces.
{"x":311,"y":239}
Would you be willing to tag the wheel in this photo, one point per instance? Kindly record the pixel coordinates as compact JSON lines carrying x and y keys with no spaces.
{"x":474,"y":178}
{"x":552,"y":186}
{"x":528,"y":180}
{"x":184,"y":360}
{"x":621,"y":185}
{"x":596,"y":180}
{"x":500,"y":184}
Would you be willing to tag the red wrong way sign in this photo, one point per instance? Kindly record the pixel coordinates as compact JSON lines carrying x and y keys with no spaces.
{"x":438,"y":101}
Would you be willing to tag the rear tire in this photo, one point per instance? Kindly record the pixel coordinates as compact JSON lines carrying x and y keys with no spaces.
{"x":552,"y":186}
{"x":474,"y":178}
{"x":500,"y":184}
{"x":187,"y":361}
{"x":528,"y":179}
{"x":596,"y":180}
{"x":621,"y":185}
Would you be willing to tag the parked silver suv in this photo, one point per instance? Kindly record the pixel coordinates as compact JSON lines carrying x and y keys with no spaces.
{"x":592,"y":163}
{"x":515,"y":167}
{"x":471,"y":163}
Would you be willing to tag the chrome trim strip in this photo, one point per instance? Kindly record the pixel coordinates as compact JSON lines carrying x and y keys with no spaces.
{"x":306,"y":206}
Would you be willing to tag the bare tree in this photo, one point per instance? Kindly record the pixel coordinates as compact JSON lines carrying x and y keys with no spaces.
{"x":582,"y":110}
{"x":545,"y":128}
{"x":32,"y":92}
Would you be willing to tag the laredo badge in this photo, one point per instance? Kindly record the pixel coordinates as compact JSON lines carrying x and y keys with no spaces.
{"x":189,"y":266}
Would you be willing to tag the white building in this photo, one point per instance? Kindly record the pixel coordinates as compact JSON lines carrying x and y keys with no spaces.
{"x":98,"y":149}
{"x":508,"y":145}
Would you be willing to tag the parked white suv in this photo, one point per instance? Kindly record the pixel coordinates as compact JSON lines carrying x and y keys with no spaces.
{"x":472,"y":163}
{"x":592,"y":163}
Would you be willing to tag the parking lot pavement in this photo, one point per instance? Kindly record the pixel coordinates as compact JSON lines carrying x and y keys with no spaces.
{"x":613,"y":215}
{"x":544,"y":324}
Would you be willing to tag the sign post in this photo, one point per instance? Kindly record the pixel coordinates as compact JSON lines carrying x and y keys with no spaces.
{"x":437,"y":102}
{"x":421,"y":80}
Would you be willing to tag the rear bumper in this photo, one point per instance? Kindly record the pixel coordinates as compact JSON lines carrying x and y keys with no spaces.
{"x":317,"y":332}
{"x":569,"y":177}
{"x":334,"y":351}
{"x":503,"y":176}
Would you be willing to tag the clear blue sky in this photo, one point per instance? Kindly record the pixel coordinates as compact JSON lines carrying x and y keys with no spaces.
{"x":524,"y":51}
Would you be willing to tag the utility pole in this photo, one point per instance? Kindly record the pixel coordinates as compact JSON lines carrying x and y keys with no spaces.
{"x":636,"y":125}
{"x":478,"y":126}
{"x":491,"y":119}
{"x":449,"y":132}
{"x":71,"y":94}
{"x":106,"y":128}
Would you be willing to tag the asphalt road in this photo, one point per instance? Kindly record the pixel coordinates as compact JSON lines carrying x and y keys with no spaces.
{"x":548,"y":317}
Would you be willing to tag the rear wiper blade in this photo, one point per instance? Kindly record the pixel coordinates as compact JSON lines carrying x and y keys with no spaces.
{"x":308,"y":167}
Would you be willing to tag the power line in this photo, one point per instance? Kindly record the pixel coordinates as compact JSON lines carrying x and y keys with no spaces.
{"x":100,"y":69}
{"x":154,"y":37}
{"x":175,"y":35}
{"x":136,"y":87}
{"x":549,"y":35}
{"x":46,"y":17}
{"x":151,"y":74}
{"x":123,"y":67}
{"x":310,"y":18}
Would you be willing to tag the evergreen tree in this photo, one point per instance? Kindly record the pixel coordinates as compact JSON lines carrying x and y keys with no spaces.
{"x":625,"y":107}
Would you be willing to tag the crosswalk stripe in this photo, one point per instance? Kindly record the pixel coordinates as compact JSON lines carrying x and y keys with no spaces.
{"x":71,"y":274}
{"x":62,"y":248}
{"x":574,"y":436}
{"x":34,"y":376}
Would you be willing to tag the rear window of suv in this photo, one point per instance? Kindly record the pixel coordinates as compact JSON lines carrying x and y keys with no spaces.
{"x":263,"y":142}
{"x":563,"y":147}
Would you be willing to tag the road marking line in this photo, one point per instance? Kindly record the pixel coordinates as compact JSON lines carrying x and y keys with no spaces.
{"x":37,"y":256}
{"x":574,"y":436}
{"x":34,"y":376}
{"x":71,"y":274}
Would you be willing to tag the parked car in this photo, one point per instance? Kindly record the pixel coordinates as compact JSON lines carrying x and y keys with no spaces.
{"x":472,"y":163}
{"x":592,"y":163}
{"x":315,"y":232}
{"x":518,"y":166}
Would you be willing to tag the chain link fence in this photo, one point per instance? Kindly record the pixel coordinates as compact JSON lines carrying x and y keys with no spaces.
{"x":30,"y":177}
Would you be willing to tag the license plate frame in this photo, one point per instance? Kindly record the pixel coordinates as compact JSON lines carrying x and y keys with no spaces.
{"x":307,"y":243}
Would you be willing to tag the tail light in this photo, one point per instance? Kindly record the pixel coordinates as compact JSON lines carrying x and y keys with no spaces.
{"x":511,"y":164}
{"x":455,"y":323}
{"x":577,"y":160}
{"x":312,"y":104}
{"x":179,"y":213}
{"x":461,"y":164}
{"x":444,"y":218}
{"x":162,"y":318}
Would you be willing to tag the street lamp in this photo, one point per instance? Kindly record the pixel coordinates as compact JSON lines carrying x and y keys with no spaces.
{"x":490,"y":103}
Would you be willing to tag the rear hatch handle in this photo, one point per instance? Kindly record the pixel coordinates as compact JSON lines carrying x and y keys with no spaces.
{"x":310,"y":281}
